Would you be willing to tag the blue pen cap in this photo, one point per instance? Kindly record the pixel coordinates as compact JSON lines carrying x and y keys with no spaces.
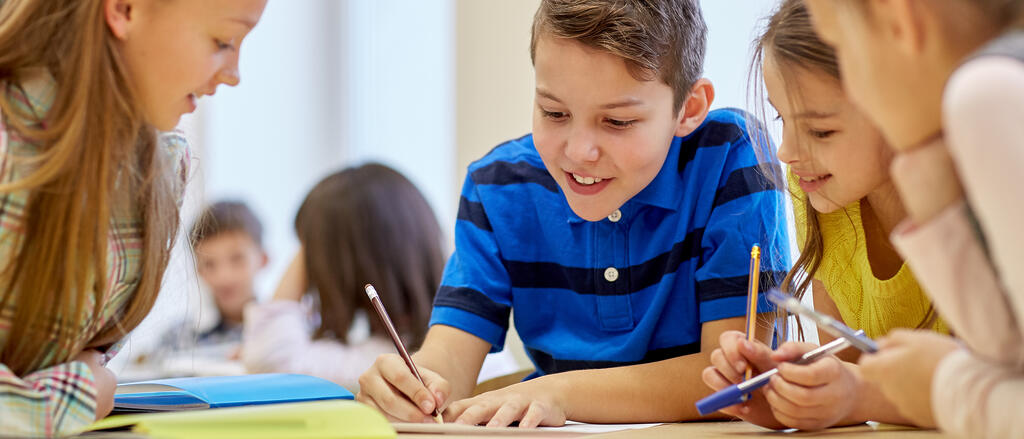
{"x":721,"y":399}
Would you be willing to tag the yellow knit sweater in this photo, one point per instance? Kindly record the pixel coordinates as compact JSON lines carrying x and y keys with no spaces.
{"x":864,"y":301}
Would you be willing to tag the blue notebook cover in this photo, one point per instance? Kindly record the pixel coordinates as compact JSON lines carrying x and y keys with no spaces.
{"x":223,"y":391}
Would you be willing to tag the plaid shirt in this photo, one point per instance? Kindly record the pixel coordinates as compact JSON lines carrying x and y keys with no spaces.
{"x":59,"y":399}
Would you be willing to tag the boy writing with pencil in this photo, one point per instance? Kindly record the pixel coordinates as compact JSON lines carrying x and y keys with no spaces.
{"x":619,"y":231}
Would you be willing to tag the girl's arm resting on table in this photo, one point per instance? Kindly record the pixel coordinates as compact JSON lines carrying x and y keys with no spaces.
{"x":59,"y":400}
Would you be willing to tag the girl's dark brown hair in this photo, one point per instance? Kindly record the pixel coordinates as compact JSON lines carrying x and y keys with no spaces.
{"x":369,"y":224}
{"x":789,"y":38}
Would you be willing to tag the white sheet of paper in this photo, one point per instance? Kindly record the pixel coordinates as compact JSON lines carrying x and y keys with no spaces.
{"x":597,"y":428}
{"x":570,"y":429}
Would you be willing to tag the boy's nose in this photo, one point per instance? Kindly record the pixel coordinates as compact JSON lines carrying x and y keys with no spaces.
{"x":581,"y":147}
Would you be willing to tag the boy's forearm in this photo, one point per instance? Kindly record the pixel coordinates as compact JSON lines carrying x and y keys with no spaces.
{"x":664,"y":391}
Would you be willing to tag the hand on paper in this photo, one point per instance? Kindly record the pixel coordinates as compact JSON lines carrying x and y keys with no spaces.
{"x":104,"y":380}
{"x":903,"y":368}
{"x":532,"y":403}
{"x":728,"y":366}
{"x":390,"y":387}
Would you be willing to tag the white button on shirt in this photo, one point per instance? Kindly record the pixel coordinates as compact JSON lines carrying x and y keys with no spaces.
{"x":615,"y":216}
{"x":611,"y":274}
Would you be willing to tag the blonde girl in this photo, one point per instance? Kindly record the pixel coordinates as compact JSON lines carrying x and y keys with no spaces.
{"x":89,"y":190}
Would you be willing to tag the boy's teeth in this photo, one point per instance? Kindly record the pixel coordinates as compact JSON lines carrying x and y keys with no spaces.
{"x":586,"y":180}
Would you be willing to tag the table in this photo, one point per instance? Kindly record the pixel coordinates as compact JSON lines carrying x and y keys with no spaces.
{"x":731,"y":430}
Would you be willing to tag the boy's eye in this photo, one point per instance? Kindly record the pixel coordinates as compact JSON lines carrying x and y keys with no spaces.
{"x":554,"y":115}
{"x":822,"y":134}
{"x":621,"y":123}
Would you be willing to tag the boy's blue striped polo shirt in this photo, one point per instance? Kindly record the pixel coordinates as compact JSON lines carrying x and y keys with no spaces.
{"x":632,"y":288}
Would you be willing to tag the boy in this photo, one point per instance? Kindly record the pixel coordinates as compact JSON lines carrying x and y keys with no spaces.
{"x":227,"y":243}
{"x":227,"y":240}
{"x":620,"y":231}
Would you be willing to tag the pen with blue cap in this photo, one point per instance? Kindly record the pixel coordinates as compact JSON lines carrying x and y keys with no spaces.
{"x":737,"y":393}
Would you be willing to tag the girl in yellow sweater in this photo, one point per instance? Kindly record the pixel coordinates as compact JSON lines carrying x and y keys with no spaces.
{"x":845,"y":206}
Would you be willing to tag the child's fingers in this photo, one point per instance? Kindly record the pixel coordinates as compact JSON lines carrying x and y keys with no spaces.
{"x":797,"y":395}
{"x":791,"y":414}
{"x":476,"y":413}
{"x":539,"y":413}
{"x":758,"y":354}
{"x":729,"y":343}
{"x":509,"y":412}
{"x":790,"y":351}
{"x":714,"y":379}
{"x":374,"y":390}
{"x":398,"y":375}
{"x":439,"y":387}
{"x":731,"y":371}
{"x":818,"y":373}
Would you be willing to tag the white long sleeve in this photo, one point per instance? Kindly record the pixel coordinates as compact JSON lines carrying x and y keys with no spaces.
{"x":277,"y":338}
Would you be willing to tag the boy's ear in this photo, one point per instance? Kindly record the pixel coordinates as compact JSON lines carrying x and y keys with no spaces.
{"x":119,"y":15}
{"x":695,"y":107}
{"x":902,"y":21}
{"x":264,"y":259}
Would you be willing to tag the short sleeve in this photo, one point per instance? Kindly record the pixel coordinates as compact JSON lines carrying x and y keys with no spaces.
{"x":748,"y":209}
{"x":475,"y":294}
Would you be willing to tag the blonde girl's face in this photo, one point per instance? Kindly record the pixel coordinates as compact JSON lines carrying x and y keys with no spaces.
{"x":176,"y":51}
{"x":833,"y":148}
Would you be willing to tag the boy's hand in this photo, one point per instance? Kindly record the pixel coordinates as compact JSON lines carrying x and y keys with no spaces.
{"x":532,"y":403}
{"x":105,"y":381}
{"x":729,"y":365}
{"x":812,"y":396}
{"x":390,"y":387}
{"x":904,"y":367}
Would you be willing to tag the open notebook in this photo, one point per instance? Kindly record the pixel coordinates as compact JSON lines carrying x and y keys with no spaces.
{"x":228,"y":391}
{"x":298,"y":420}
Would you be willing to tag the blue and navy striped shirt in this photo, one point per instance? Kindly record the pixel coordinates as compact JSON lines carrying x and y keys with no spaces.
{"x":632,"y":288}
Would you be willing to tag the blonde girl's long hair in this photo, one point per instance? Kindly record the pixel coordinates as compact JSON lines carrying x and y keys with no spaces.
{"x":91,"y":142}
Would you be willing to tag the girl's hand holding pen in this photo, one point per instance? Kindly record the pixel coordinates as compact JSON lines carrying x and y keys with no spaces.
{"x":811,"y":396}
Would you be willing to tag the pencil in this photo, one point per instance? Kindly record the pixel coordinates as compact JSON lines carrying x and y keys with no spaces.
{"x":386,"y":320}
{"x":755,"y":271}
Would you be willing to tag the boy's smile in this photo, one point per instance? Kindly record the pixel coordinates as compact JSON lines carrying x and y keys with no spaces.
{"x":603,"y":134}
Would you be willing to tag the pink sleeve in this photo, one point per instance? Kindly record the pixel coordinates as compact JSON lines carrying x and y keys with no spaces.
{"x":277,"y":338}
{"x":952,"y":267}
{"x":974,"y":398}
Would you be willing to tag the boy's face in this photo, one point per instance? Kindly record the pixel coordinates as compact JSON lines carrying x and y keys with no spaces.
{"x":602,"y":134}
{"x":228,"y":263}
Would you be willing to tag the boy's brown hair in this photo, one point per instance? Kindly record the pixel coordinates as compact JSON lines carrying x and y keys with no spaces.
{"x":663,"y":39}
{"x":223,"y":217}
